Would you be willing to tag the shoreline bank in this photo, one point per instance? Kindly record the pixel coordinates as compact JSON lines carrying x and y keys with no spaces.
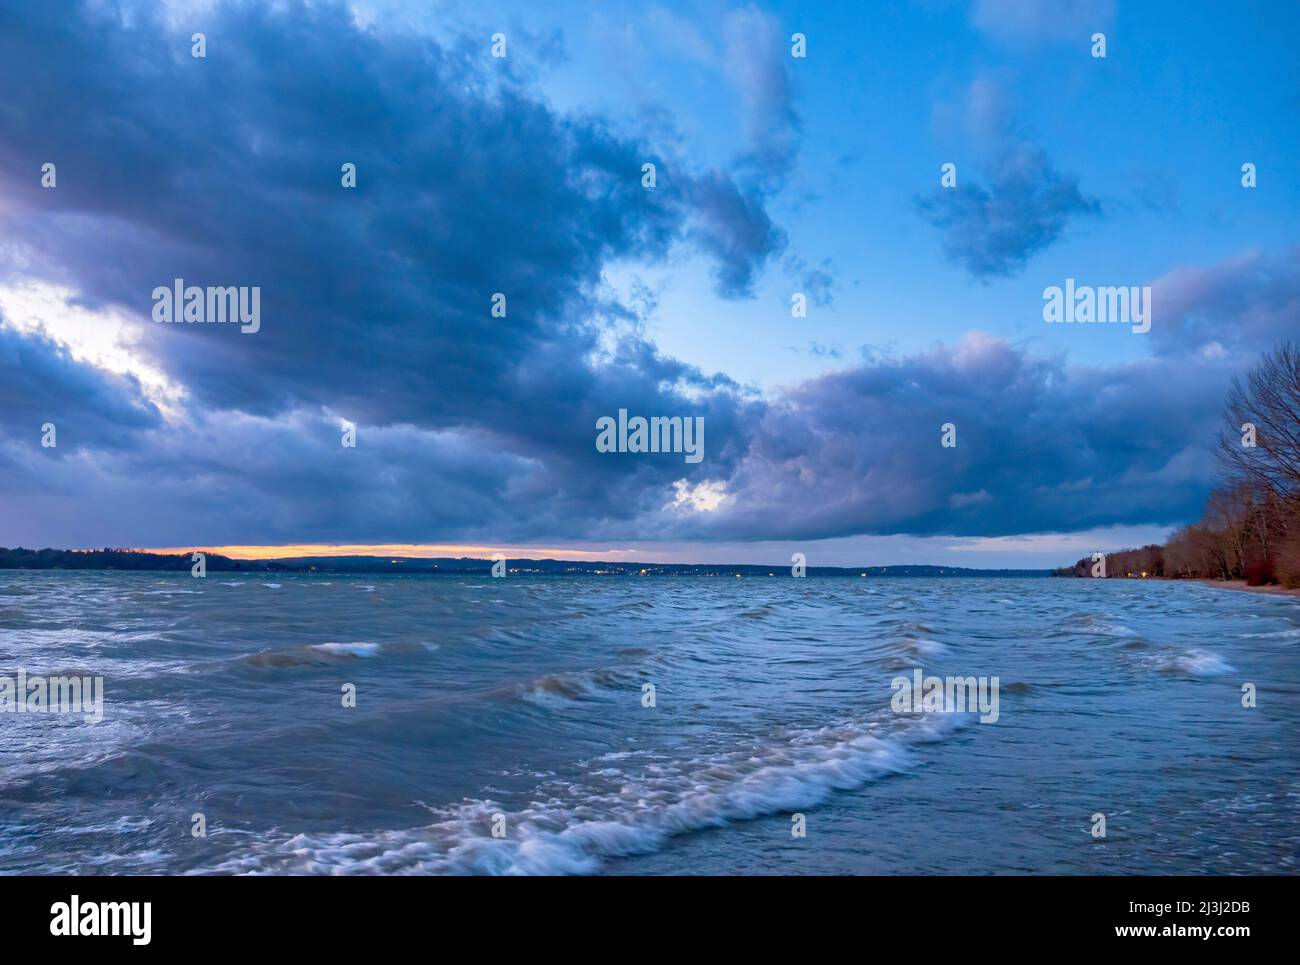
{"x":1242,"y":585}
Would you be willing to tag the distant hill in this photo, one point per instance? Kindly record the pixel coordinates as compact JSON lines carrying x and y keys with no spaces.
{"x":123,"y":559}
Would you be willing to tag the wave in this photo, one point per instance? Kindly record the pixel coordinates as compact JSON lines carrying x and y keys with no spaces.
{"x":576,"y":829}
{"x":563,"y":687}
{"x":1194,"y":663}
{"x":318,"y":654}
{"x":1274,"y":635}
{"x":1088,"y":623}
{"x":908,"y":651}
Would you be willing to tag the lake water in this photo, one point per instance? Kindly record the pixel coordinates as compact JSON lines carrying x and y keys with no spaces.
{"x":520,"y":703}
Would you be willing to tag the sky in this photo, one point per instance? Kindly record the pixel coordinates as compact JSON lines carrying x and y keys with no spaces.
{"x":776,"y":176}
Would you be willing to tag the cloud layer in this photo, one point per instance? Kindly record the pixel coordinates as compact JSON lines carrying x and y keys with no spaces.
{"x":376,"y":312}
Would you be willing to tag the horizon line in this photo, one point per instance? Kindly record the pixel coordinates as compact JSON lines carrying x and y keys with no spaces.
{"x":263,"y":553}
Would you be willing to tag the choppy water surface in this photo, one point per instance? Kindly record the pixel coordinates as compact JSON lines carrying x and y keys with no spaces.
{"x":523,"y":697}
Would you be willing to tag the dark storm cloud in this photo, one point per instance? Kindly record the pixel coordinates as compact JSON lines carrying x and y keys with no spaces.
{"x":94,"y":414}
{"x":1040,"y":447}
{"x":225,"y":171}
{"x":993,"y":229}
{"x":375,"y":301}
{"x":91,"y":408}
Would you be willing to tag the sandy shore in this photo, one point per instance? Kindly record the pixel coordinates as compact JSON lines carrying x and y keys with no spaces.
{"x":1241,"y":585}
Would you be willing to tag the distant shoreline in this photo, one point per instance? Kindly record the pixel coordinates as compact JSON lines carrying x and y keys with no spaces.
{"x":135,"y":561}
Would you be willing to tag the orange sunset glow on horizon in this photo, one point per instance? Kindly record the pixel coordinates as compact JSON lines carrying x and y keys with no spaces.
{"x":413,"y":550}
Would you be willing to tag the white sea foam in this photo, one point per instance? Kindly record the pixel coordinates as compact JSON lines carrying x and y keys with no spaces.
{"x":352,"y":649}
{"x":1110,"y":629}
{"x":1196,"y":663}
{"x":924,"y":647}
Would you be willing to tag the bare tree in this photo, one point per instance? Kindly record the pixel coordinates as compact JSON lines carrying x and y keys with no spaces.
{"x":1268,"y":399}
